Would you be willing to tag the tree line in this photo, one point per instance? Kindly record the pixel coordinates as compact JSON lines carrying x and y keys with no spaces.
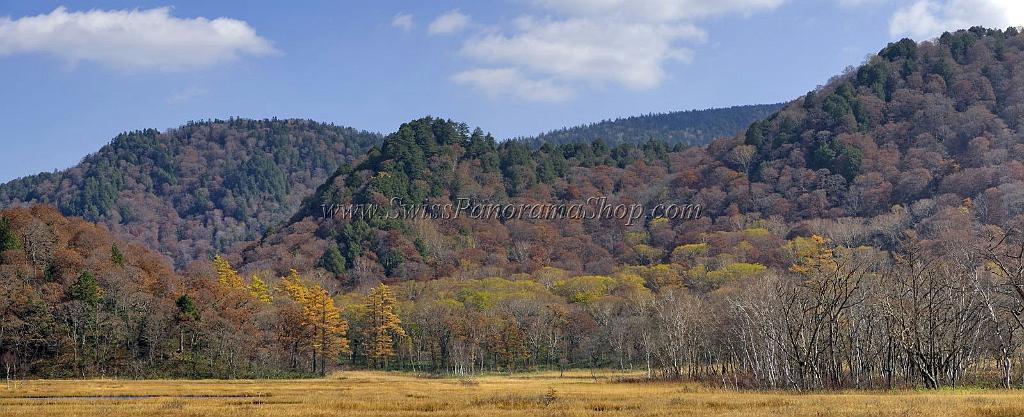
{"x":932,"y":313}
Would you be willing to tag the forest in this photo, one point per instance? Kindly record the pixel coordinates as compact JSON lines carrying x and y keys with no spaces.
{"x":200,"y":188}
{"x":866,"y":235}
{"x":690,"y":127}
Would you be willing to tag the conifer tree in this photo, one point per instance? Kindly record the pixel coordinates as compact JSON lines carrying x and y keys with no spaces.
{"x":812,"y":254}
{"x":329,"y":328}
{"x":186,"y":317}
{"x":226,"y":274}
{"x":332,"y":260}
{"x":259,"y":289}
{"x":321,"y":321}
{"x":8,"y":240}
{"x":384,"y":325}
{"x":86,"y":289}
{"x":116,"y":256}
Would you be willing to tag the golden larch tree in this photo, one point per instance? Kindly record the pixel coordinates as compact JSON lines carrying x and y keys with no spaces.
{"x":321,"y":319}
{"x":328,"y":326}
{"x":813,"y":255}
{"x":384,"y":325}
{"x":226,"y":274}
{"x":259,"y":289}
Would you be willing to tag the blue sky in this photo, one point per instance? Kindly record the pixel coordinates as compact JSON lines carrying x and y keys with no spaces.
{"x":76,"y":74}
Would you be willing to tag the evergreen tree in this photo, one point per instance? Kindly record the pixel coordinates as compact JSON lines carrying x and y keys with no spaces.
{"x":186,"y":317}
{"x":187,"y":310}
{"x":332,"y":260}
{"x":116,"y":256}
{"x":86,"y":289}
{"x":8,"y":240}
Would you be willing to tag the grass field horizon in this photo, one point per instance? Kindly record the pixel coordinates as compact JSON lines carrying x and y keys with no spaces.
{"x":576,"y":393}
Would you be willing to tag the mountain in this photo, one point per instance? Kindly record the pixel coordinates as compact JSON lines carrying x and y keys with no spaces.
{"x":440,"y":161}
{"x":198,"y":189}
{"x":690,"y":127}
{"x":915,"y":134}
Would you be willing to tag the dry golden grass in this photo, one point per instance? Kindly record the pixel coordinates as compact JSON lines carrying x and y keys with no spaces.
{"x":540,"y":394}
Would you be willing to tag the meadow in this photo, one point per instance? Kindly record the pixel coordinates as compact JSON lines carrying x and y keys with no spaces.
{"x":536,"y":394}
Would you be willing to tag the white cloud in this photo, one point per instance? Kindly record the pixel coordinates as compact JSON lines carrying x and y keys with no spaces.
{"x":132,"y":39}
{"x":402,"y":21}
{"x":447,"y":23}
{"x":497,"y":82}
{"x":627,"y":53}
{"x":581,"y":43}
{"x":924,"y":19}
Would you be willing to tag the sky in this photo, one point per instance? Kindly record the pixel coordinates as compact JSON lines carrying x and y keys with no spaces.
{"x":74,"y":75}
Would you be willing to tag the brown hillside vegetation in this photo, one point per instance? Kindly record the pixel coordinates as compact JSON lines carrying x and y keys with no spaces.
{"x":196,"y":190}
{"x":899,"y":143}
{"x":76,"y":302}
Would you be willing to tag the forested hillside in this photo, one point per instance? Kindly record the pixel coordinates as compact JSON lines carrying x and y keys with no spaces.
{"x":861,"y":236}
{"x":690,"y":127}
{"x":196,"y":190}
{"x":920,"y":130}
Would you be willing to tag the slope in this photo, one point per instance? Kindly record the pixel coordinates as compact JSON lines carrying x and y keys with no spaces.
{"x":200,"y":188}
{"x":909,"y":143}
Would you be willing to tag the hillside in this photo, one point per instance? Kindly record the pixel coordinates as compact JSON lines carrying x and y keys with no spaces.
{"x":690,"y":127}
{"x":196,"y":190}
{"x":440,"y":161}
{"x":918,"y":133}
{"x":860,"y":236}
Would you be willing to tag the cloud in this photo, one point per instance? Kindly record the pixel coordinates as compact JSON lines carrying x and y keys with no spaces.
{"x":132,"y":39}
{"x":497,"y":82}
{"x":627,"y":53}
{"x":448,"y":23}
{"x":581,"y":43}
{"x":402,"y":21}
{"x":925,"y":19}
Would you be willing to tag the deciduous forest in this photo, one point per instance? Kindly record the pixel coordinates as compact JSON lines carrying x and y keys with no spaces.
{"x":200,"y":188}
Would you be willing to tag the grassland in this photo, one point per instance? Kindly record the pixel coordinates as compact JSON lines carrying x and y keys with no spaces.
{"x":386,"y":394}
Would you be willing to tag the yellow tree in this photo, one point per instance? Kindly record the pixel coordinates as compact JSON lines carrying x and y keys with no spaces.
{"x":383,"y":325}
{"x":293,"y":287}
{"x":321,"y":319}
{"x":328,"y":326}
{"x":226,"y":274}
{"x":812,"y":255}
{"x":296,"y":335}
{"x":259,"y":289}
